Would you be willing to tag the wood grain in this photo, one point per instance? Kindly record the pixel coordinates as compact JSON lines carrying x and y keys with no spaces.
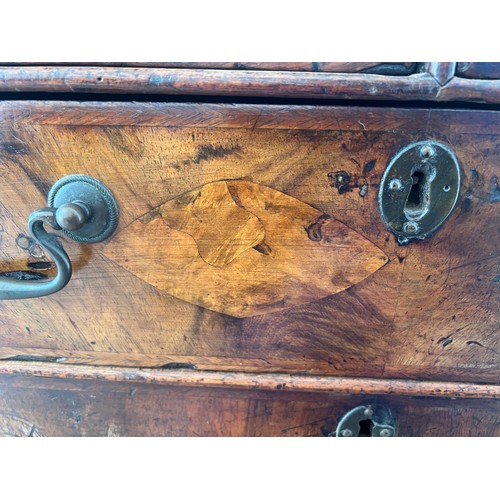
{"x":431,"y":313}
{"x":384,"y":68}
{"x":182,"y":377}
{"x":394,"y":68}
{"x":248,"y":83}
{"x":243,"y":249}
{"x":57,"y":407}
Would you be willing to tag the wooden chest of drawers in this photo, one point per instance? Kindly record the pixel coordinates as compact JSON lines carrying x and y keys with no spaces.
{"x":252,"y":286}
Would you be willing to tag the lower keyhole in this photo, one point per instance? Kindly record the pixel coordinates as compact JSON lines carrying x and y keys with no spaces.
{"x":418,"y":201}
{"x":414,"y":201}
{"x":365,"y":428}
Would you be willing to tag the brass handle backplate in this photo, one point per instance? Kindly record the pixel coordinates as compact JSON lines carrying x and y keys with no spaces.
{"x":83,"y":209}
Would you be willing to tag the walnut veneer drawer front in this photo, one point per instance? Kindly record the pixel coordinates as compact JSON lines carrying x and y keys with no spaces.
{"x":31,"y":406}
{"x":250,"y":239}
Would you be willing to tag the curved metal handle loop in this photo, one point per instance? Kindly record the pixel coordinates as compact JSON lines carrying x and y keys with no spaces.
{"x":85,"y":211}
{"x":11,"y":288}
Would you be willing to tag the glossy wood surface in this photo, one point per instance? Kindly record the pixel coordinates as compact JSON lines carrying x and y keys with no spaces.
{"x":191,"y":377}
{"x":481,"y":70}
{"x":55,"y":407}
{"x":243,"y":249}
{"x":443,"y":72}
{"x":430,"y":313}
{"x":248,"y":83}
{"x":384,"y":68}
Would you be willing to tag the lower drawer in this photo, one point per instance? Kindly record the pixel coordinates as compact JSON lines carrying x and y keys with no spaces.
{"x":42,"y":406}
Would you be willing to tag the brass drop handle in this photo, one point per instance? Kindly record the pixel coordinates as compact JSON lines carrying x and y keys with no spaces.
{"x":83,"y":209}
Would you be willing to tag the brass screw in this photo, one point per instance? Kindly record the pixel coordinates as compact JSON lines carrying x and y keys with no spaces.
{"x":395,"y":184}
{"x":427,"y":151}
{"x":411,"y":227}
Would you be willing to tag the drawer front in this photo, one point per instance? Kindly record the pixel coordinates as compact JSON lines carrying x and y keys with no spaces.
{"x":479,"y":70}
{"x":31,"y":406}
{"x":250,"y":239}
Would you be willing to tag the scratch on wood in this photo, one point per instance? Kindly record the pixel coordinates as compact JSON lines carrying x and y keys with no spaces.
{"x":478,"y":261}
{"x":256,"y":121}
{"x":286,"y":429}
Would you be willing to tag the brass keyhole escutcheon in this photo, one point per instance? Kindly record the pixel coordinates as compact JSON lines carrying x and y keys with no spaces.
{"x":367,"y":421}
{"x":419,"y":190}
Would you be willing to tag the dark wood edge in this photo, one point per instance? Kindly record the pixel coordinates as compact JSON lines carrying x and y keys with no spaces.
{"x":442,"y":72}
{"x":479,"y":70}
{"x":261,"y":381}
{"x":380,"y":68}
{"x":241,"y":83}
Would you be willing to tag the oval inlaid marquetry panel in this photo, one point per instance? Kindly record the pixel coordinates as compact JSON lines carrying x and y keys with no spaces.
{"x":244,"y":249}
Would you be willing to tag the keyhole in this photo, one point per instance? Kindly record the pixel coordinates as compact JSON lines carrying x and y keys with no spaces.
{"x":418,"y":201}
{"x":365,"y":428}
{"x":415,"y":197}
